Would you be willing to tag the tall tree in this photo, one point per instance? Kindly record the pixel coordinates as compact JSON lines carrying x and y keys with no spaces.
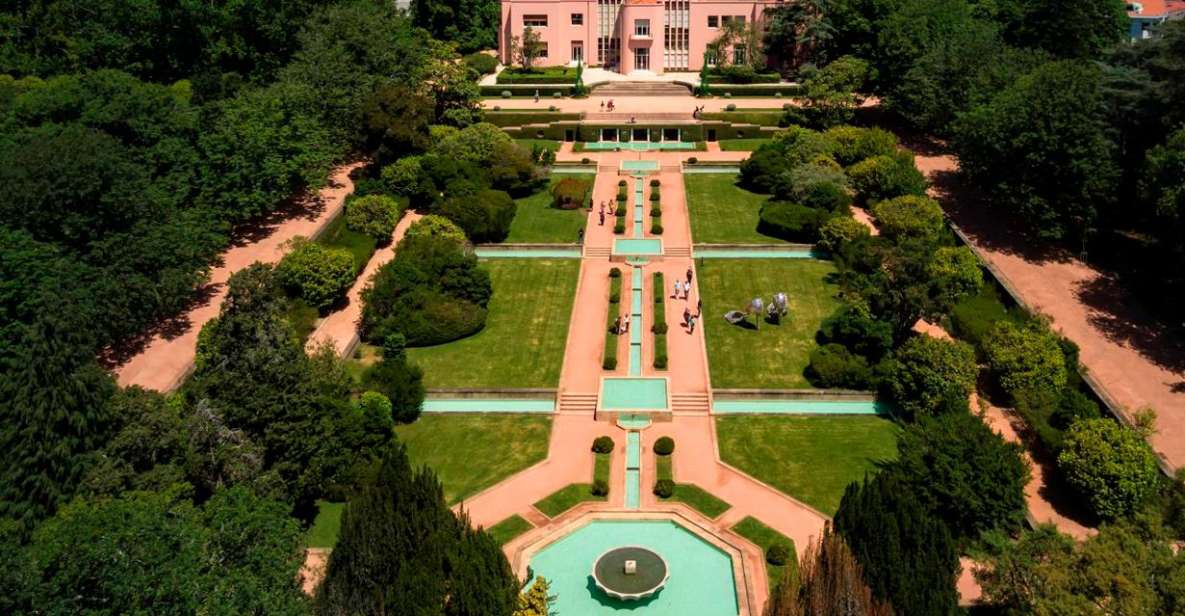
{"x":907,"y":553}
{"x":798,"y":33}
{"x":471,"y":24}
{"x":402,"y":551}
{"x":53,"y":412}
{"x":829,"y":582}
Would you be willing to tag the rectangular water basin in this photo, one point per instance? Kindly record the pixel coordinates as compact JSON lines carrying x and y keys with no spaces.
{"x":801,"y":407}
{"x":633,"y":488}
{"x":486,"y":405}
{"x":729,"y":253}
{"x":639,"y":165}
{"x":633,"y":450}
{"x":633,"y":394}
{"x":528,"y":253}
{"x":637,"y":247}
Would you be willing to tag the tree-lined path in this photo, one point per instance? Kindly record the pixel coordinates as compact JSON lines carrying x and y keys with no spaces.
{"x":167,"y":357}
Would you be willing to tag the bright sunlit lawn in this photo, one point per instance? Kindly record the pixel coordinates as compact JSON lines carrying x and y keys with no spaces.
{"x":472,"y":451}
{"x":769,"y":356}
{"x":810,"y":457}
{"x":722,"y":212}
{"x":522,"y":344}
{"x":536,"y":222}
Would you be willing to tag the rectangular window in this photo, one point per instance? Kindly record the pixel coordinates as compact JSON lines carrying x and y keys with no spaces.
{"x":542,"y":51}
{"x":740,"y":19}
{"x":641,"y":27}
{"x":727,"y":19}
{"x":710,"y":58}
{"x":713,"y":21}
{"x":577,"y":19}
{"x":738,"y":55}
{"x":534,"y":21}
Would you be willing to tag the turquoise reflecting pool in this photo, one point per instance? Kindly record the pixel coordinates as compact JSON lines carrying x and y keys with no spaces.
{"x":642,"y":247}
{"x":804,"y":407}
{"x":487,"y":405}
{"x":701,"y":582}
{"x":625,"y":394}
{"x":637,"y":146}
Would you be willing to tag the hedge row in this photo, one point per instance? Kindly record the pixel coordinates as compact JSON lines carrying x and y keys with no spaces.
{"x":508,"y":78}
{"x":520,"y":118}
{"x":760,"y":118}
{"x":788,"y":89}
{"x":660,"y":322}
{"x":525,"y":90}
{"x":609,"y":356}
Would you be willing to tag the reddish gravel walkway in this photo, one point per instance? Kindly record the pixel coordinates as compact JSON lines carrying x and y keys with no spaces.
{"x":1137,"y":361}
{"x":167,"y":358}
{"x":340,"y":328}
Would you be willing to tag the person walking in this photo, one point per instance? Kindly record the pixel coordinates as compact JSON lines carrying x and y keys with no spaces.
{"x":678,"y":286}
{"x":687,"y":319}
{"x":625,"y":321}
{"x":602,"y":223}
{"x":689,"y":276}
{"x":699,"y":306}
{"x":580,"y":237}
{"x":536,"y":96}
{"x":691,"y":325}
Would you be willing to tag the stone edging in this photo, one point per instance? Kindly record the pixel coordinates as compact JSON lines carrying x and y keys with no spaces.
{"x":852,"y":395}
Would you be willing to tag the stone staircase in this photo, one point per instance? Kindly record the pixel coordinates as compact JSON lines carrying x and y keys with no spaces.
{"x":690,"y":404}
{"x":597,"y":252}
{"x":641,"y":88}
{"x":577,"y":404}
{"x":677,"y":252}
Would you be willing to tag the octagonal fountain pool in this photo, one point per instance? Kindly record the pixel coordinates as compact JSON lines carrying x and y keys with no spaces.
{"x":682,"y":573}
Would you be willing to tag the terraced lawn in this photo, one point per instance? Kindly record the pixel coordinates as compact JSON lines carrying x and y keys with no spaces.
{"x":767,"y":356}
{"x":472,"y":451}
{"x":812,"y":458}
{"x":522,"y":344}
{"x":722,"y":212}
{"x":536,"y":222}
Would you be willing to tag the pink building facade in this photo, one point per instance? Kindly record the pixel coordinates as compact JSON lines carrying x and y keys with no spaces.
{"x":654,"y":36}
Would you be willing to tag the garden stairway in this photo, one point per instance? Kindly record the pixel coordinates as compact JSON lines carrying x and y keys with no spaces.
{"x":690,"y":404}
{"x":641,"y":88}
{"x":596,"y":252}
{"x":577,"y":404}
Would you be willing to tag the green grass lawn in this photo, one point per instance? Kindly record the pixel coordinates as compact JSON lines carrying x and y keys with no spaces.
{"x":601,"y":469}
{"x":812,"y":458}
{"x":722,"y":212}
{"x":760,"y":117}
{"x":508,"y":529}
{"x":522,"y":344}
{"x":742,"y":145}
{"x":754,"y":530}
{"x":771,"y":356}
{"x":566,"y":498}
{"x":472,"y":451}
{"x":536,"y":222}
{"x":301,"y":316}
{"x":690,"y":494}
{"x":326,"y":527}
{"x":550,"y":145}
{"x":360,"y":245}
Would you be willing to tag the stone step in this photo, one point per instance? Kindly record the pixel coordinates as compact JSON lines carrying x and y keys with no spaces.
{"x":641,"y":88}
{"x":677,"y":251}
{"x":596,"y":252}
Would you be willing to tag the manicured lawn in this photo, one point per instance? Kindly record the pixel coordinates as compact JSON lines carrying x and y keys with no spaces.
{"x":602,"y":467}
{"x":326,"y":527}
{"x":754,"y":530}
{"x":508,"y":529}
{"x":770,"y":356}
{"x":522,"y":344}
{"x":360,"y":245}
{"x":536,"y":222}
{"x":699,"y":499}
{"x":472,"y":451}
{"x":566,"y":498}
{"x":812,"y":458}
{"x":301,"y":316}
{"x":550,"y":145}
{"x":722,"y":212}
{"x":742,"y":145}
{"x":760,"y":117}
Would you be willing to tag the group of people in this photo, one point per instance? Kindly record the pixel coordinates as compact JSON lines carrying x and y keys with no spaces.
{"x":684,"y":289}
{"x":608,"y":107}
{"x":602,"y":212}
{"x":698,"y":110}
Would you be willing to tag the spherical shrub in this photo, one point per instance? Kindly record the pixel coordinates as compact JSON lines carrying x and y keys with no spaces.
{"x":728,"y":95}
{"x":600,"y":488}
{"x":585,"y":161}
{"x":660,"y":360}
{"x":659,"y":328}
{"x":497,"y":108}
{"x":656,"y":210}
{"x":610,"y":363}
{"x":603,"y":444}
{"x":777,"y":95}
{"x":656,"y":228}
{"x":315,"y":273}
{"x":777,"y":554}
{"x":664,"y":488}
{"x":730,"y":106}
{"x":655,"y":182}
{"x":557,"y":95}
{"x":791,"y":222}
{"x":693,"y":160}
{"x":505,"y":93}
{"x":621,"y":183}
{"x":552,"y":108}
{"x":615,"y":273}
{"x":664,"y":446}
{"x":374,"y":215}
{"x":485,"y":216}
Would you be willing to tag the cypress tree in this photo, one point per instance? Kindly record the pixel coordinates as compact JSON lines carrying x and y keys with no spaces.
{"x":908,"y":555}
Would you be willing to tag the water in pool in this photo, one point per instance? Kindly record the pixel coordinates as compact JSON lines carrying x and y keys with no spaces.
{"x":701,"y":582}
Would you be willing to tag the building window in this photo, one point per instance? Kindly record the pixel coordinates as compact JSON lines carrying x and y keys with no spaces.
{"x":577,"y":19}
{"x":727,"y":19}
{"x":738,"y":55}
{"x":534,"y":21}
{"x":710,"y":58}
{"x":740,"y":19}
{"x":542,"y":50}
{"x":641,"y":27}
{"x":713,"y":21}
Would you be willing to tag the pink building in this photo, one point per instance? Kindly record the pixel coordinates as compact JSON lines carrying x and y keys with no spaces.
{"x":656,"y":36}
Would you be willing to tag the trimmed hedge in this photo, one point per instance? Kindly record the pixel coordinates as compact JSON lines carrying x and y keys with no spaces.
{"x":756,"y":90}
{"x":760,"y":118}
{"x":659,"y":328}
{"x":609,"y":354}
{"x":664,"y":488}
{"x":551,"y":75}
{"x":664,"y":446}
{"x":791,"y":222}
{"x":525,"y":91}
{"x":602,"y":444}
{"x":570,"y":193}
{"x":481,"y":63}
{"x":503,"y":119}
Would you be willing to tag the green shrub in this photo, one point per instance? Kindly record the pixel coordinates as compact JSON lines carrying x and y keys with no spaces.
{"x":375,"y":407}
{"x":481,"y":63}
{"x":974,"y":317}
{"x":791,"y":222}
{"x":403,"y":385}
{"x":656,"y":210}
{"x":833,"y":366}
{"x":655,"y":183}
{"x":659,"y":328}
{"x":621,"y":183}
{"x":854,"y":327}
{"x":569,"y":193}
{"x":437,"y":226}
{"x":615,"y":272}
{"x":927,"y":374}
{"x":614,"y":289}
{"x":602,"y":444}
{"x":655,"y":227}
{"x":619,"y":225}
{"x":557,"y":95}
{"x":909,"y":216}
{"x":318,"y":275}
{"x":777,"y":554}
{"x":1111,"y":465}
{"x":659,"y":292}
{"x":887,"y":176}
{"x":854,"y":144}
{"x":655,"y":194}
{"x":660,"y":351}
{"x":664,"y":488}
{"x":840,"y":230}
{"x":375,"y":215}
{"x":1028,"y":362}
{"x":600,"y":487}
{"x":664,"y":446}
{"x":485,"y":216}
{"x":505,"y":94}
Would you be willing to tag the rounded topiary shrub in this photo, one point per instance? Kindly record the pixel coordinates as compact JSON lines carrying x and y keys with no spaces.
{"x":664,"y":446}
{"x":610,"y":363}
{"x":485,"y":216}
{"x":655,"y":182}
{"x":655,"y":195}
{"x":777,"y":95}
{"x":600,"y":488}
{"x":569,"y":193}
{"x":656,"y":228}
{"x":585,"y":161}
{"x":656,"y":210}
{"x":659,"y":328}
{"x":833,"y":366}
{"x":664,"y":488}
{"x":791,"y":222}
{"x":375,"y":215}
{"x":497,"y":108}
{"x":777,"y":554}
{"x":603,"y":444}
{"x":729,"y":95}
{"x":621,"y":183}
{"x":505,"y":93}
{"x":615,"y":273}
{"x":693,"y":160}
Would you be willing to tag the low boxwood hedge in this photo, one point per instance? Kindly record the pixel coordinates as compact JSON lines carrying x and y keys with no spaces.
{"x":791,"y":222}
